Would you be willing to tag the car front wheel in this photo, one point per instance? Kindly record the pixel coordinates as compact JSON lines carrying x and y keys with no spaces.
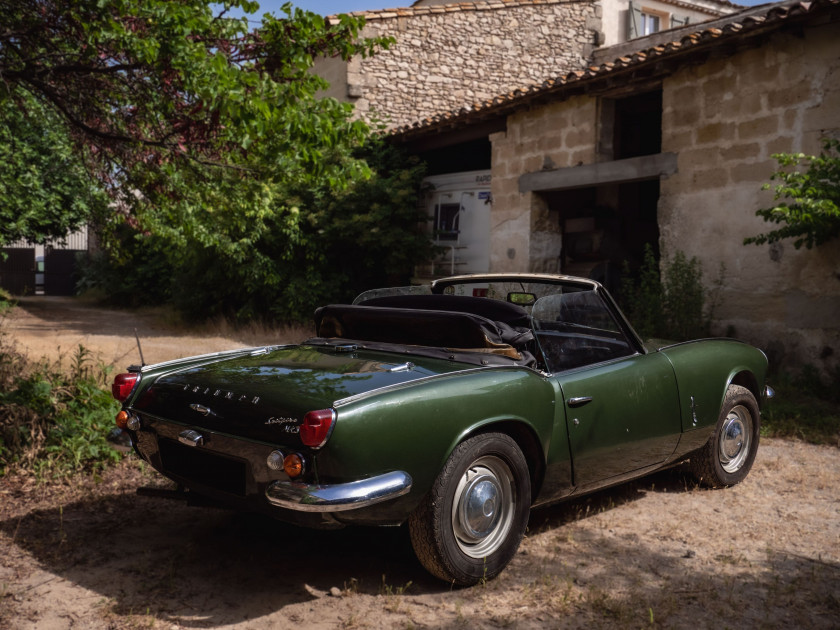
{"x":729,"y":454}
{"x":470,"y":524}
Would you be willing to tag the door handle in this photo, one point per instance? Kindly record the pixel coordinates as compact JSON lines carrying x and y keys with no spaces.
{"x":579,"y":401}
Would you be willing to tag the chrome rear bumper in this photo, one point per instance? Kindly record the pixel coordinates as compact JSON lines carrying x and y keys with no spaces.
{"x":294,"y":495}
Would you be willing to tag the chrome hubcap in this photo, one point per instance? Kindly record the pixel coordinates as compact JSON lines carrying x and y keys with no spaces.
{"x":735,"y":439}
{"x":482,"y":508}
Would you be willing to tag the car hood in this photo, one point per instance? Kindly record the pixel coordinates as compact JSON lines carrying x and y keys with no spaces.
{"x":265,"y":394}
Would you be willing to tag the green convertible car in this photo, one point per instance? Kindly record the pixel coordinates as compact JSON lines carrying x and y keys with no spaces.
{"x":454,"y":407}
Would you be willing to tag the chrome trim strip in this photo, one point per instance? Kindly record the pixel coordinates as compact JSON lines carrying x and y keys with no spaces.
{"x":211,"y":355}
{"x":303,"y":497}
{"x":472,"y":278}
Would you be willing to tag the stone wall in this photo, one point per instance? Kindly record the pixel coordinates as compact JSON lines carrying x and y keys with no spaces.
{"x":525,"y":235}
{"x":449,"y":57}
{"x":725,"y":119}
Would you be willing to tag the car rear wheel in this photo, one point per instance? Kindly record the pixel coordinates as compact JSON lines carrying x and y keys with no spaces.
{"x":470,"y":524}
{"x":729,"y":454}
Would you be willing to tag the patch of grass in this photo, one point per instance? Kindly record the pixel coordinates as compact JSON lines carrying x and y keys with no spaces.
{"x":806,"y":407}
{"x":54,"y":419}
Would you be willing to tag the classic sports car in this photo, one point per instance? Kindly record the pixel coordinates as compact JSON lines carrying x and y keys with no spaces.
{"x":455,"y":406}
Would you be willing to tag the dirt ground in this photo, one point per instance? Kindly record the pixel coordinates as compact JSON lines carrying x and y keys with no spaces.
{"x":658,"y":552}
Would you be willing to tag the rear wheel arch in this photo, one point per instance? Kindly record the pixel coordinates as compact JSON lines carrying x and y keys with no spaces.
{"x":528,"y":442}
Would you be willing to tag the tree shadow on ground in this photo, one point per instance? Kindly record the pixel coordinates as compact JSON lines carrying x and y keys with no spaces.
{"x":205,"y":567}
{"x":173,"y":560}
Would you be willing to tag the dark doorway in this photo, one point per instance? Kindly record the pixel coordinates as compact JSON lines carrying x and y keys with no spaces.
{"x":606,"y":228}
{"x":60,"y":271}
{"x":17,"y":271}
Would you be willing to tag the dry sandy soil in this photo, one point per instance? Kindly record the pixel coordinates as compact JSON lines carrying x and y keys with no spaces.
{"x":654,"y":553}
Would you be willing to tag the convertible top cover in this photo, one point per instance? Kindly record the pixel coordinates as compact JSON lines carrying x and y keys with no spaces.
{"x":445,"y":322}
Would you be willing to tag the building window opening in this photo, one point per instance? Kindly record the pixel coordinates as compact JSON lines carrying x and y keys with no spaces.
{"x":643,"y":21}
{"x":650,"y":23}
{"x":637,"y":128}
{"x":447,"y":221}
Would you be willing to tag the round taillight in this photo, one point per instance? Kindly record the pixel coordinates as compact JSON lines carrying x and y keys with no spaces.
{"x":316,"y":427}
{"x":123,"y":385}
{"x":122,"y":419}
{"x":294,"y":465}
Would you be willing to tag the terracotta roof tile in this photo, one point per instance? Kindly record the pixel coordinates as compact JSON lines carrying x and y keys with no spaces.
{"x":742,"y":26}
{"x":495,"y":5}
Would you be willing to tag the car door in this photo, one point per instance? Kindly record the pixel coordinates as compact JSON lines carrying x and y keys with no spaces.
{"x":620,"y":405}
{"x":621,"y":416}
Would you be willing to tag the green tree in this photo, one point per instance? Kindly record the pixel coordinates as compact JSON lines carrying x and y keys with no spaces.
{"x":45,"y":189}
{"x":195,"y":123}
{"x":329,"y":246}
{"x":812,"y":213}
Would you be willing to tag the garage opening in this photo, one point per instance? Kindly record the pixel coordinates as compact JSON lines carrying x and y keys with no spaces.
{"x":605,"y":227}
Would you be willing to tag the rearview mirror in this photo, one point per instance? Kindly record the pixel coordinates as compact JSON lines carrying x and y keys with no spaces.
{"x":521,"y":299}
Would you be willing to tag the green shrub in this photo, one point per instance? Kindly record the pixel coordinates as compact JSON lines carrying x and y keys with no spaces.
{"x":53,"y":421}
{"x":672,"y":304}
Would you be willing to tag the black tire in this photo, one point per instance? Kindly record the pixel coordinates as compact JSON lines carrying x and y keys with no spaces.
{"x":488,"y":473}
{"x":729,"y":454}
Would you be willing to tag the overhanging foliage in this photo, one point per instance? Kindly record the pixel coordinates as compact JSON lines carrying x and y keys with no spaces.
{"x":811,"y":214}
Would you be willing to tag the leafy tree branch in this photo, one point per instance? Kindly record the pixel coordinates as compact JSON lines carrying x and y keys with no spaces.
{"x":811,"y":210}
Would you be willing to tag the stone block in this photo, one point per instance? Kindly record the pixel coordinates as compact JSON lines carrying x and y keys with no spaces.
{"x":758,"y":172}
{"x":747,"y":105}
{"x":782,"y":144}
{"x":709,"y":178}
{"x":698,"y":159}
{"x":759,"y":127}
{"x":687,"y":116}
{"x":741,"y":152}
{"x":718,"y":133}
{"x":718,"y":86}
{"x":675,"y":141}
{"x":582,"y":156}
{"x":786,"y":97}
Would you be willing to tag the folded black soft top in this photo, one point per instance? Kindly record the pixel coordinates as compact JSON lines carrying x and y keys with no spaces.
{"x":448,"y":329}
{"x":495,"y":310}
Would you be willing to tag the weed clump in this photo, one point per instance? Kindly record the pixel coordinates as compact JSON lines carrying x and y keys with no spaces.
{"x":53,"y":419}
{"x":670,"y":302}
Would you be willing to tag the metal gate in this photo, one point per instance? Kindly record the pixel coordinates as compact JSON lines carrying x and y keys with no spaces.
{"x":17,"y":271}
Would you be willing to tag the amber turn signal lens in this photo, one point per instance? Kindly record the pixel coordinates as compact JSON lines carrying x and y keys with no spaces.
{"x":122,"y":419}
{"x":293,"y":465}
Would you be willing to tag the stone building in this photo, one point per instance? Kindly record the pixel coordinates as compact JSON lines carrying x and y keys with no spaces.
{"x":447,"y":56}
{"x":664,"y":140}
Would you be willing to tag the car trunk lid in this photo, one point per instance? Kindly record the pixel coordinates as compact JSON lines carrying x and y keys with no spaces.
{"x":265,"y":395}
